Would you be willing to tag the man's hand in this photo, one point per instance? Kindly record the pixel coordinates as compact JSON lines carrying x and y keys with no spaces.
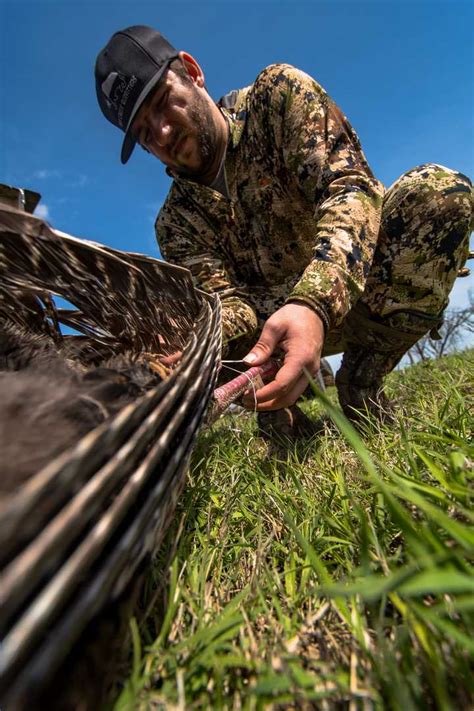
{"x":298,"y":331}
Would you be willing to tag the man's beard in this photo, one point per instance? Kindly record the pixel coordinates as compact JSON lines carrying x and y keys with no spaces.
{"x":206,"y":137}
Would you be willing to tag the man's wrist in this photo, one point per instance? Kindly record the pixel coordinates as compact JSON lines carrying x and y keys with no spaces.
{"x":316,"y":308}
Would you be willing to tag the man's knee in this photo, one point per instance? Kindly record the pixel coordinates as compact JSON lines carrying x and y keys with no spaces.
{"x":449,"y":194}
{"x":430,"y":206}
{"x":429,"y":192}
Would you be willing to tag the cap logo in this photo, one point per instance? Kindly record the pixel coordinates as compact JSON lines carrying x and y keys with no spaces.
{"x":127,"y":71}
{"x":117,"y":90}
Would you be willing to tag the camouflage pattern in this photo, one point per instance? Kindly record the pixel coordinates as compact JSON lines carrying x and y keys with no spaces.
{"x":304,"y":212}
{"x":423,"y":242}
{"x":307,"y":221}
{"x":422,"y":245}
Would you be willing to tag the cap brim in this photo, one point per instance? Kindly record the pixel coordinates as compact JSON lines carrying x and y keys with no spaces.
{"x":129,"y":141}
{"x":128,"y":147}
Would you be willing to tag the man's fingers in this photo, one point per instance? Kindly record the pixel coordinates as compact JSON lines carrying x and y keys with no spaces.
{"x":264,"y":347}
{"x":288,"y":385}
{"x":284,"y":381}
{"x":280,"y":401}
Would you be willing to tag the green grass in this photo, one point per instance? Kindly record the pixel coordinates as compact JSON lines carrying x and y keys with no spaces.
{"x":336,"y":574}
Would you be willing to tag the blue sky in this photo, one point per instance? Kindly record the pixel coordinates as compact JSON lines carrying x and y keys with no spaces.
{"x":401,"y":70}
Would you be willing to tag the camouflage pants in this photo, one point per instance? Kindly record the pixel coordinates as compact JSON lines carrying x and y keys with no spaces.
{"x":423,"y":242}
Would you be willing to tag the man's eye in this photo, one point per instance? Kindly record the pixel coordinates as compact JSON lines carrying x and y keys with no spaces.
{"x":145,"y":137}
{"x":162,"y":101}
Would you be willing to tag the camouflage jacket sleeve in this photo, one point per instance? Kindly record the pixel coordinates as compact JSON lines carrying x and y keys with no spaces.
{"x":323,"y":153}
{"x":181,"y":244}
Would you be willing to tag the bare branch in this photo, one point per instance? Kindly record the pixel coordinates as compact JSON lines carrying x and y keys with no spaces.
{"x":457,"y":323}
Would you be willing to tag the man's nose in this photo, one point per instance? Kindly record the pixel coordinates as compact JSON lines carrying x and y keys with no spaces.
{"x":162,"y":130}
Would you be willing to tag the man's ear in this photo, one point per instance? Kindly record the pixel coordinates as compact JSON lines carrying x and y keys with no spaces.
{"x":193,"y":68}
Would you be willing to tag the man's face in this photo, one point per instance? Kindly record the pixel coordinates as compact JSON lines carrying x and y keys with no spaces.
{"x":178,"y":125}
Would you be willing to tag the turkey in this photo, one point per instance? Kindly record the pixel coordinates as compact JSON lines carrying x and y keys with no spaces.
{"x":96,"y":431}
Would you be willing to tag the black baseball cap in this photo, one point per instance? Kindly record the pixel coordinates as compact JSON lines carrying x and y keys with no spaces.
{"x":126,"y":71}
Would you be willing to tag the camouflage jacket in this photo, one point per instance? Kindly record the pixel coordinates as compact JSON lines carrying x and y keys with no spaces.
{"x":303,"y":216}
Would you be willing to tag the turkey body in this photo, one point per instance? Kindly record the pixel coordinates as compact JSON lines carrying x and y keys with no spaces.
{"x":51,"y":396}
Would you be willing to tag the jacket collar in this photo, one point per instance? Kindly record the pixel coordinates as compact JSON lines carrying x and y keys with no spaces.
{"x":236,"y":122}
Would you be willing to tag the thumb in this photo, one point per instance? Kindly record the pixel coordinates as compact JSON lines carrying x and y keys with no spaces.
{"x":264,"y":347}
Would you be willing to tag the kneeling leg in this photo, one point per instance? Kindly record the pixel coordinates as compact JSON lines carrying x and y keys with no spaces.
{"x":423,"y":243}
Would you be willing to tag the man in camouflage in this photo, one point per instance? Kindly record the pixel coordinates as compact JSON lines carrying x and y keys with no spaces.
{"x":274,"y":207}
